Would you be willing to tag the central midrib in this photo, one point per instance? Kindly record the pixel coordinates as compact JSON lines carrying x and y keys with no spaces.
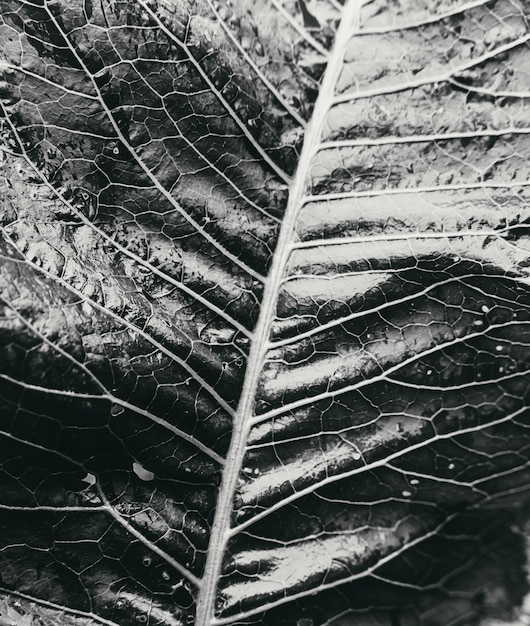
{"x":220,"y":533}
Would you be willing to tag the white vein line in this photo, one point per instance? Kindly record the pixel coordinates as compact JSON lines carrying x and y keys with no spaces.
{"x":381,"y":193}
{"x":507,"y":492}
{"x":413,"y":235}
{"x":172,"y":281}
{"x":59,"y":607}
{"x":242,"y":422}
{"x":71,"y":131}
{"x":159,"y":187}
{"x":491,"y":92}
{"x":383,"y":462}
{"x":296,"y":404}
{"x":4,"y":65}
{"x":507,"y":472}
{"x":54,"y":346}
{"x":110,"y":509}
{"x":83,"y":298}
{"x":367,"y":571}
{"x":210,"y":164}
{"x":292,"y":112}
{"x":411,"y":84}
{"x":432,"y":587}
{"x":149,"y":544}
{"x":378,"y":30}
{"x":381,"y":307}
{"x":54,"y":509}
{"x":277,"y":170}
{"x":472,"y":485}
{"x":473,"y":384}
{"x":383,"y":141}
{"x":108,"y":397}
{"x":300,"y":29}
{"x":201,"y":156}
{"x":275,"y":442}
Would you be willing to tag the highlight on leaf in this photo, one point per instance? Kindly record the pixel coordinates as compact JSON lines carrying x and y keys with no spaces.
{"x":264,"y":312}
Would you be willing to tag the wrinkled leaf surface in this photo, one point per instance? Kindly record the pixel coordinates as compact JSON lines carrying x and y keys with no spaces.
{"x":264,"y":311}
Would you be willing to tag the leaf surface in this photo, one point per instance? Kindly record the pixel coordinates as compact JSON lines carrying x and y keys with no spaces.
{"x":265,"y":311}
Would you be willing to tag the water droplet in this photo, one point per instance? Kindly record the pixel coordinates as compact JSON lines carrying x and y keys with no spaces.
{"x":429,"y":372}
{"x":142,"y":618}
{"x":414,"y":481}
{"x":451,"y":466}
{"x":142,"y":473}
{"x":485,"y":309}
{"x":478,"y":323}
{"x":115,"y":150}
{"x":256,"y":471}
{"x":356,"y":456}
{"x":120,"y":604}
{"x":165,"y":575}
{"x":499,"y":348}
{"x":406,"y":494}
{"x":146,"y":561}
{"x":116,"y":409}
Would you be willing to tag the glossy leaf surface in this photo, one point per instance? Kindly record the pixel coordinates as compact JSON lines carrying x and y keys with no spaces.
{"x":265,"y":311}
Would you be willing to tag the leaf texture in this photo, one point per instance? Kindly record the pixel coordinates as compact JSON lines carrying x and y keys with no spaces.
{"x":265,"y":311}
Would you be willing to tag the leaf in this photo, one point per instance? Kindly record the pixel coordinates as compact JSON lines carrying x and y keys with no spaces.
{"x":265,"y":312}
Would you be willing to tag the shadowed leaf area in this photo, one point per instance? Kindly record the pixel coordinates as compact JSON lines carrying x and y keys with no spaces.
{"x":264,"y":312}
